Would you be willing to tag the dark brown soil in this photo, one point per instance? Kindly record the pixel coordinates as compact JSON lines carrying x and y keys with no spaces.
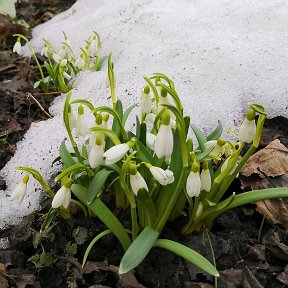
{"x":54,"y":260}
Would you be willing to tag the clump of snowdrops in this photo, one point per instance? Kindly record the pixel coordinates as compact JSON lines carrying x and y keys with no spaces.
{"x":61,"y":67}
{"x":156,"y":171}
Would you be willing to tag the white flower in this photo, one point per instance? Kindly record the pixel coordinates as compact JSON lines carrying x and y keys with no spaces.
{"x":56,"y":58}
{"x":247,"y":131}
{"x":81,"y":126}
{"x":193,"y":184}
{"x":145,"y":103}
{"x":115,"y":153}
{"x":95,"y":156}
{"x":20,"y":190}
{"x":63,"y":62}
{"x":17,"y":47}
{"x":66,"y":76}
{"x":150,"y":140}
{"x":44,"y":51}
{"x":150,"y":117}
{"x":205,"y":180}
{"x":164,"y":177}
{"x":218,"y":145}
{"x":137,"y":182}
{"x":72,"y":120}
{"x":164,"y":141}
{"x":63,"y":195}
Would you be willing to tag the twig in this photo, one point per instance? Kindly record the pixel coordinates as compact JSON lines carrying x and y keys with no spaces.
{"x":47,"y":93}
{"x":29,"y":95}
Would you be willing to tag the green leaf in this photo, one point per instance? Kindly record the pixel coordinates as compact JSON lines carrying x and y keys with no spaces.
{"x":104,"y":214}
{"x":49,"y":70}
{"x":74,"y":168}
{"x":146,"y":208}
{"x":92,"y":243}
{"x":200,"y":137}
{"x":138,"y":250}
{"x":97,"y":183}
{"x":215,"y":134}
{"x":48,"y":219}
{"x":66,"y":155}
{"x":126,"y":114}
{"x":188,"y":254}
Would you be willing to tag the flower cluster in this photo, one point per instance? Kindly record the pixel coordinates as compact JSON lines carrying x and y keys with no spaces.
{"x":62,"y":66}
{"x":157,"y":171}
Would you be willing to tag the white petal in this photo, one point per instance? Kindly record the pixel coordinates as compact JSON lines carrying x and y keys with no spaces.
{"x":67,"y":76}
{"x":115,"y":153}
{"x":150,"y":140}
{"x":56,"y":58}
{"x":193,"y":184}
{"x":205,"y":180}
{"x":17,"y":48}
{"x":81,"y":126}
{"x":145,"y":103}
{"x":67,"y":199}
{"x":19,"y":192}
{"x":137,"y":182}
{"x":164,"y":141}
{"x":72,"y":120}
{"x":247,"y":131}
{"x":60,"y":197}
{"x":95,"y":156}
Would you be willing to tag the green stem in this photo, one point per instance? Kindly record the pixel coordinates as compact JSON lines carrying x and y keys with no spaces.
{"x":135,"y":228}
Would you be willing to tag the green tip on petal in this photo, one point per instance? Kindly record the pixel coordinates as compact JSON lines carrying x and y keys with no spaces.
{"x":165,"y":118}
{"x":221,"y":141}
{"x":163,"y":93}
{"x":132,"y":169}
{"x":68,"y":183}
{"x":147,"y":89}
{"x":195,"y":167}
{"x":25,"y":179}
{"x":205,"y":165}
{"x":250,"y":115}
{"x":81,"y":110}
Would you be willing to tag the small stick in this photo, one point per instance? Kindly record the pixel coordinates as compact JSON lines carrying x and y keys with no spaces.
{"x":47,"y":93}
{"x":29,"y":95}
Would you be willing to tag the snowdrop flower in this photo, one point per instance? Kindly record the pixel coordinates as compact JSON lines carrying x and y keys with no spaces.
{"x":81,"y":126}
{"x":225,"y":165}
{"x":72,"y":118}
{"x":56,"y":58}
{"x":20,"y":190}
{"x":80,"y":62}
{"x":150,"y":117}
{"x":164,"y":177}
{"x":205,"y":178}
{"x":137,"y":182}
{"x":164,"y":138}
{"x":145,"y":101}
{"x":63,"y":62}
{"x":193,"y":184}
{"x":164,"y":99}
{"x":95,"y":156}
{"x":63,"y":195}
{"x":17,"y":47}
{"x":44,"y":51}
{"x":115,"y":153}
{"x":94,"y":134}
{"x":150,"y":140}
{"x":66,"y":76}
{"x":218,"y":145}
{"x":248,"y":128}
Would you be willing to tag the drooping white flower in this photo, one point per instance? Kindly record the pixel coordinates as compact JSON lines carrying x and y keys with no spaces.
{"x":193,"y":184}
{"x":219,"y":147}
{"x":164,"y":138}
{"x":63,"y":195}
{"x":115,"y":153}
{"x":66,"y":76}
{"x":56,"y":58}
{"x":205,"y":178}
{"x":81,"y":126}
{"x":95,"y":156}
{"x":137,"y":182}
{"x":17,"y":47}
{"x":145,"y":101}
{"x":63,"y":62}
{"x":20,"y":190}
{"x":247,"y":131}
{"x":44,"y":51}
{"x":164,"y":177}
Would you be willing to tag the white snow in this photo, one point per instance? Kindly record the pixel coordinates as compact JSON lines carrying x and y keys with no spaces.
{"x":221,"y":54}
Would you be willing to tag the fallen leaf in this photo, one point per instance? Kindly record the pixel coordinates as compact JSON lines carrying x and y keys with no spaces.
{"x":3,"y":280}
{"x":269,"y":161}
{"x":283,"y":277}
{"x":256,"y":256}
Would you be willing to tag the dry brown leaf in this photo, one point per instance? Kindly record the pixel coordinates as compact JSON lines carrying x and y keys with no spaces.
{"x":3,"y":280}
{"x":283,"y":277}
{"x":270,"y":161}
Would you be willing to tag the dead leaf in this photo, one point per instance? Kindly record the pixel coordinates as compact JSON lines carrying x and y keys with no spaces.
{"x":23,"y":280}
{"x":270,"y":161}
{"x":283,"y":277}
{"x":3,"y":280}
{"x":256,"y":256}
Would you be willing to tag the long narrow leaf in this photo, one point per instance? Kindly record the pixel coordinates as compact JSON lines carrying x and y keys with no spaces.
{"x":188,"y":254}
{"x":216,"y":133}
{"x":138,"y":250}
